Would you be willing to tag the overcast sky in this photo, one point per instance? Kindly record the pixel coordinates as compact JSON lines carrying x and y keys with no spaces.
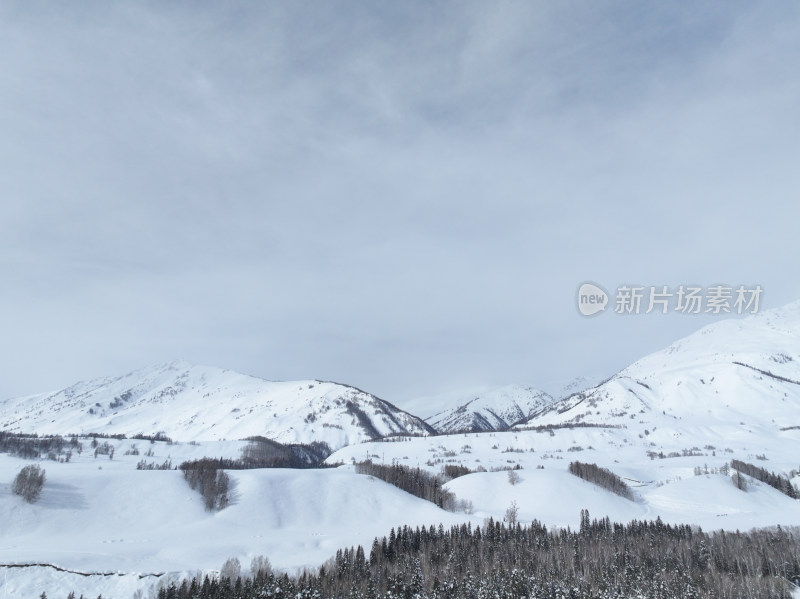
{"x":401,"y":196}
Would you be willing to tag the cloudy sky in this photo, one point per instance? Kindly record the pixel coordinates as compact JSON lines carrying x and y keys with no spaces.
{"x":401,"y":196}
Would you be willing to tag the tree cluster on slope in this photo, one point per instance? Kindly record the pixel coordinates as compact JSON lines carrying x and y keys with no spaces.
{"x":117,"y":436}
{"x":33,"y":447}
{"x":601,"y":560}
{"x":776,"y":481}
{"x":416,"y":481}
{"x":29,"y":482}
{"x":451,"y":471}
{"x":266,"y":453}
{"x":540,"y":428}
{"x":159,"y":436}
{"x":602,"y":477}
{"x":145,"y":465}
{"x":104,"y":448}
{"x":208,"y":479}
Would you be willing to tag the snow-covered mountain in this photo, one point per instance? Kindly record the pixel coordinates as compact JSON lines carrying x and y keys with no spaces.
{"x":494,"y":410}
{"x":201,"y":403}
{"x":669,"y":425}
{"x":576,"y":385}
{"x":738,"y":374}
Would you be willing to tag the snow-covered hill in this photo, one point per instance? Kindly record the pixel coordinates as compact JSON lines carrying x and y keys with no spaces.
{"x":141,"y":528}
{"x":737,"y":377}
{"x":494,"y":410}
{"x":201,"y":403}
{"x":668,"y":425}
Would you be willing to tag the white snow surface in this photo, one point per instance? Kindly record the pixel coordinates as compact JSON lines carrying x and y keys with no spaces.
{"x":667,"y":425}
{"x":731,"y":390}
{"x":101,"y":515}
{"x":201,"y":403}
{"x":740,"y":374}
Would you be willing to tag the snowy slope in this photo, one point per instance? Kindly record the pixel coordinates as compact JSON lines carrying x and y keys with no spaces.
{"x":668,"y":425}
{"x":104,"y":516}
{"x":97,"y":515}
{"x":190,"y":402}
{"x":493,"y":410}
{"x":671,"y":488}
{"x":737,"y":376}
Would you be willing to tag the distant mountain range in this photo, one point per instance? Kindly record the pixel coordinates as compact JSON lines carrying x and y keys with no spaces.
{"x":494,"y":410}
{"x":201,"y":403}
{"x":674,"y":426}
{"x":738,"y":373}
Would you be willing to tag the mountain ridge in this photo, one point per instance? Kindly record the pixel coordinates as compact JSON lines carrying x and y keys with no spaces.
{"x":494,"y":410}
{"x":732,"y":371}
{"x":196,"y":403}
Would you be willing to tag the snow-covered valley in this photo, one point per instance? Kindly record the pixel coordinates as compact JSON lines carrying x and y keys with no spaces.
{"x":669,"y":426}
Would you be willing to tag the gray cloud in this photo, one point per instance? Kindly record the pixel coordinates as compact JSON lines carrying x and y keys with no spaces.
{"x":404,"y":197}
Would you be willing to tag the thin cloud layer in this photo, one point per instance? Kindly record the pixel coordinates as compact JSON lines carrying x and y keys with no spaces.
{"x":403,"y":197}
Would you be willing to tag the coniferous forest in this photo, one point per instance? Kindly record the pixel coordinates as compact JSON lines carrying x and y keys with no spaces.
{"x":601,"y":560}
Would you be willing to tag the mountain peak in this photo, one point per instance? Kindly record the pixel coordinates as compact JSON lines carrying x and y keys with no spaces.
{"x":492,"y":410}
{"x":191,"y":402}
{"x":735,"y":371}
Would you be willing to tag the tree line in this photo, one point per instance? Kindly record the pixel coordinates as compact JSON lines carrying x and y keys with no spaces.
{"x":776,"y":481}
{"x":601,"y":477}
{"x":416,"y":481}
{"x":207,"y":478}
{"x":33,"y":447}
{"x":601,"y":560}
{"x":145,"y":465}
{"x":266,"y":453}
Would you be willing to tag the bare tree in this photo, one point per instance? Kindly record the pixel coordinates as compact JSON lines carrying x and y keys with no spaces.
{"x":512,"y":514}
{"x":231,"y":569}
{"x":260,"y":566}
{"x":206,"y":477}
{"x":28,"y":483}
